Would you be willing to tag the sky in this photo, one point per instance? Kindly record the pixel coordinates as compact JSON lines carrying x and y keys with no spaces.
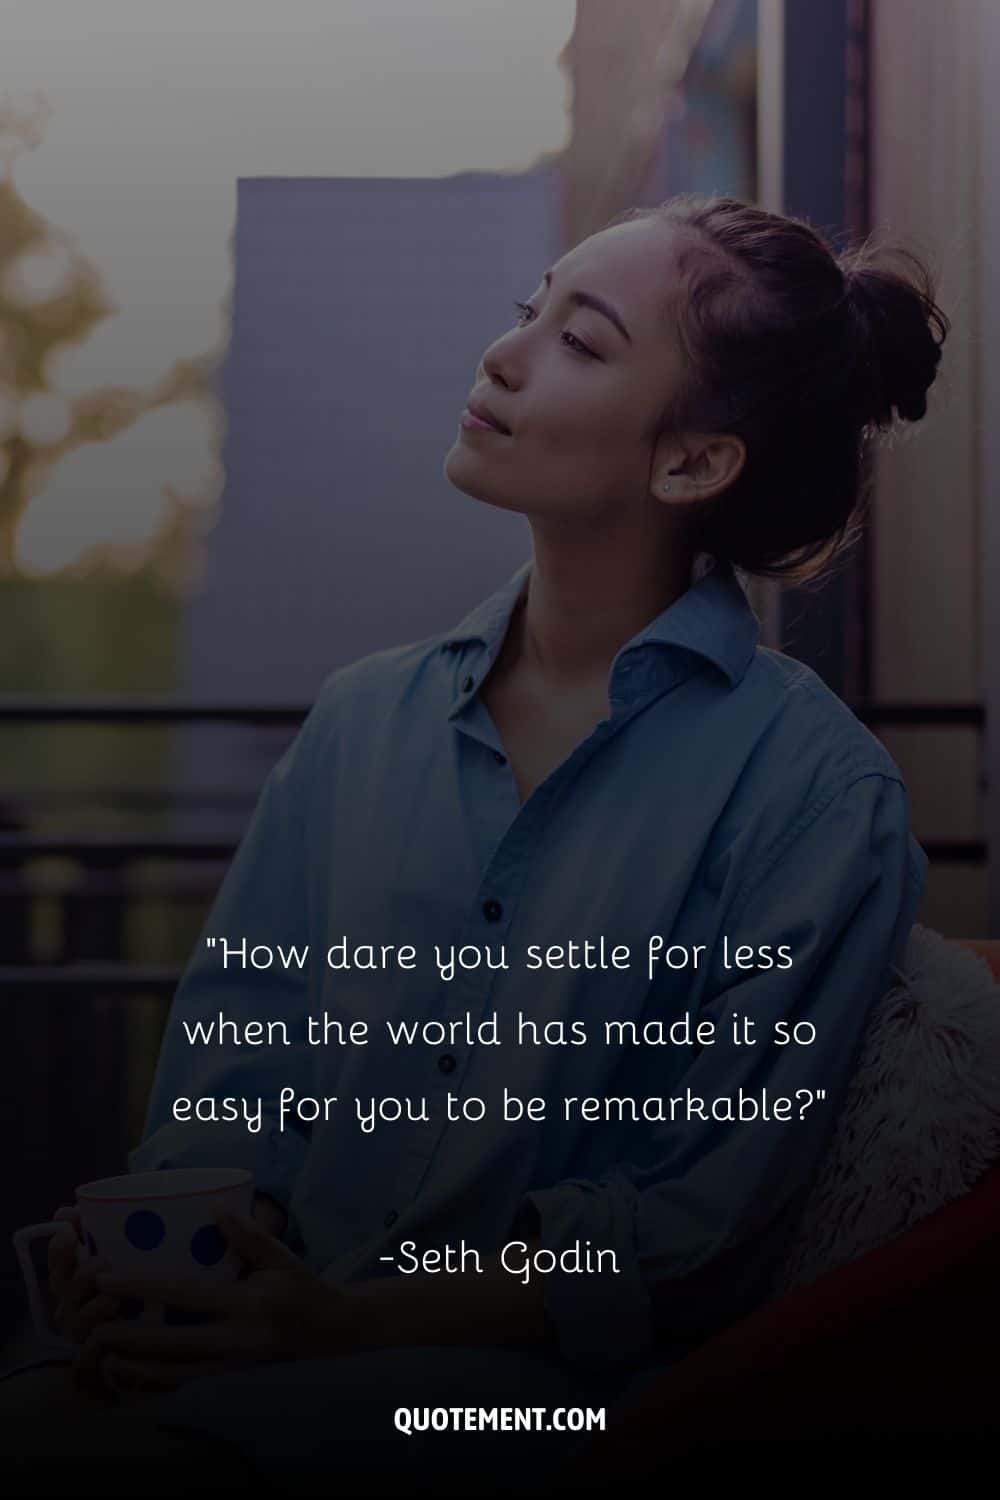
{"x":157,"y":109}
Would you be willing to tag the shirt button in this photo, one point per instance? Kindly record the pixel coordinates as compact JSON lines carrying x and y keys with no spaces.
{"x":391,"y":1218}
{"x":492,"y":911}
{"x":447,"y":1063}
{"x":467,"y":685}
{"x":501,"y":760}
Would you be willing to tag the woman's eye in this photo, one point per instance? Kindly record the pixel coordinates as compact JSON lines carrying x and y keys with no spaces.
{"x":577,"y":345}
{"x":570,"y":339}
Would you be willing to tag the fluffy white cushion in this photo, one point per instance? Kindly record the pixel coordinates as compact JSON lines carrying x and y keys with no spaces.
{"x":921,"y":1119}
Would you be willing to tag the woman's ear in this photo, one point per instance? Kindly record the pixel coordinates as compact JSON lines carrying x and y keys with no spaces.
{"x":695,"y":466}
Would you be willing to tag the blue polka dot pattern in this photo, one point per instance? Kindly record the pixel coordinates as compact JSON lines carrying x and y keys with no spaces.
{"x":144,"y":1229}
{"x":207,"y":1246}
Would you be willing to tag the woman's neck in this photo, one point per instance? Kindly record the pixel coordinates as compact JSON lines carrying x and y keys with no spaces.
{"x":586,"y":597}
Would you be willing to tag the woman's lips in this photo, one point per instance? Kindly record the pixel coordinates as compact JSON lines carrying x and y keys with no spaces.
{"x":469,"y":419}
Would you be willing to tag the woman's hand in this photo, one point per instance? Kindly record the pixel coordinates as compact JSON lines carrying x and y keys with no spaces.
{"x":280,"y":1311}
{"x":79,"y":1306}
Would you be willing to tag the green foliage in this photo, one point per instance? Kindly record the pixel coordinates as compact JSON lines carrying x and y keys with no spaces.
{"x":33,"y":329}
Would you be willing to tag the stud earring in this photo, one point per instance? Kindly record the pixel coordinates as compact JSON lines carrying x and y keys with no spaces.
{"x":666,"y":488}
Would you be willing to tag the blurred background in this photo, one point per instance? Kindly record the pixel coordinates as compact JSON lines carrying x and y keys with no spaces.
{"x":249,"y":256}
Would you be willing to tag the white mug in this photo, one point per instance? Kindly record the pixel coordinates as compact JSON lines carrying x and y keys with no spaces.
{"x":146,"y":1223}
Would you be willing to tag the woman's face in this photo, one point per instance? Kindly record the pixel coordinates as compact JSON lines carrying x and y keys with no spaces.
{"x":579,"y":383}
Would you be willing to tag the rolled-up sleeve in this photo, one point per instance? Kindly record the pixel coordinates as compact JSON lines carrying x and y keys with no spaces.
{"x":698,"y":1224}
{"x":264,"y":900}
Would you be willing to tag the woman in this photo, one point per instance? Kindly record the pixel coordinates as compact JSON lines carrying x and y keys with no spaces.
{"x":601,"y":754}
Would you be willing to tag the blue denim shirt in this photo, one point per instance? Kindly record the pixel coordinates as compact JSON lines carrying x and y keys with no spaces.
{"x":730,"y":798}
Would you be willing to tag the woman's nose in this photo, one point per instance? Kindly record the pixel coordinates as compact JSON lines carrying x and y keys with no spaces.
{"x":498,"y":364}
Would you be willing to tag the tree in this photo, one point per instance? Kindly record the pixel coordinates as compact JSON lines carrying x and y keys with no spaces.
{"x":52,"y":296}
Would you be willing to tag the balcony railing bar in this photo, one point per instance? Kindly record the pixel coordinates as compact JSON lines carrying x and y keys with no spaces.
{"x":24,"y":708}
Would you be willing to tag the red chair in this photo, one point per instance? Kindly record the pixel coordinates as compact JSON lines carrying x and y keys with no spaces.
{"x":905,"y":1337}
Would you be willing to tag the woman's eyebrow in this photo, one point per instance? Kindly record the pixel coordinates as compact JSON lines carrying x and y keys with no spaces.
{"x":587,"y":299}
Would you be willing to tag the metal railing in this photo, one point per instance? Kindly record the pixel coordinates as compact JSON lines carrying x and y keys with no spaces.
{"x":23,"y":708}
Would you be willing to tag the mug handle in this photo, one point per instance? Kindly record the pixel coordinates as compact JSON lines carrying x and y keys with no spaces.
{"x":23,"y":1241}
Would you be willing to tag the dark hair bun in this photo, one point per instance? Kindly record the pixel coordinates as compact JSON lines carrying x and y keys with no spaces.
{"x":802,"y":353}
{"x":897,"y":335}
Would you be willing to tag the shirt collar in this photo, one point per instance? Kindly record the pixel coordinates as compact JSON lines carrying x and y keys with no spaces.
{"x":712,"y":619}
